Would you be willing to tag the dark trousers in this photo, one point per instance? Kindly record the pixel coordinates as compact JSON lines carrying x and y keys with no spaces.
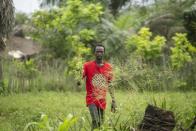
{"x":97,"y":115}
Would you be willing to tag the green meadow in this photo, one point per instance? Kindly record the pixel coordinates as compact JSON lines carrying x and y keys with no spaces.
{"x":17,"y":110}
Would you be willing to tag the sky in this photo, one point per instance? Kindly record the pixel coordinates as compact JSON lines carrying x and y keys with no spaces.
{"x":27,"y":6}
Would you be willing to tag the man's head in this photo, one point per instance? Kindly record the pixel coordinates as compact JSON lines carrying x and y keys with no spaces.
{"x":99,"y":51}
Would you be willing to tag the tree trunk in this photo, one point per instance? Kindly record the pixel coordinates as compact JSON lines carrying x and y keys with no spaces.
{"x":156,"y":119}
{"x":6,"y":25}
{"x":1,"y":72}
{"x":2,"y":46}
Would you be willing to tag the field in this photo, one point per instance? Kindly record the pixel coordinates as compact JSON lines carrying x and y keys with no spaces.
{"x":17,"y":110}
{"x":150,"y":44}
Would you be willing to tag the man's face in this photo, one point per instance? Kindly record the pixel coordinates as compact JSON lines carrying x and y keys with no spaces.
{"x":99,"y":52}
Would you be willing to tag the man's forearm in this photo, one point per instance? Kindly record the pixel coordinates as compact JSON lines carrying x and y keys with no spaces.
{"x":111,"y":91}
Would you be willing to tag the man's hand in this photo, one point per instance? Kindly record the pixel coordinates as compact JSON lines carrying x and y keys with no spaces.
{"x":113,"y":106}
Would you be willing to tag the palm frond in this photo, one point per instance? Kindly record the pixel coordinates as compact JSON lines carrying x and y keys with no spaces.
{"x":193,"y":25}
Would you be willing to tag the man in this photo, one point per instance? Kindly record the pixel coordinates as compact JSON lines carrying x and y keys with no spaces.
{"x":98,"y":76}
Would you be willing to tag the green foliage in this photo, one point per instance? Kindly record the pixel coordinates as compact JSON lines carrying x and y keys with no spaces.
{"x":190,"y":24}
{"x":124,"y":21}
{"x":65,"y":30}
{"x":67,"y":34}
{"x":21,"y":18}
{"x":182,"y":50}
{"x":113,"y":5}
{"x":3,"y":87}
{"x":44,"y":124}
{"x":68,"y":122}
{"x":74,"y":71}
{"x":175,"y":7}
{"x":69,"y":29}
{"x":138,"y":76}
{"x":145,"y":47}
{"x":26,"y":69}
{"x":130,"y":20}
{"x":36,"y":76}
{"x":75,"y":67}
{"x":18,"y":76}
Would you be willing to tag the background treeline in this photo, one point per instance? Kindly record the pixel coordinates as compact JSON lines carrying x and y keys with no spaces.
{"x":151,"y":45}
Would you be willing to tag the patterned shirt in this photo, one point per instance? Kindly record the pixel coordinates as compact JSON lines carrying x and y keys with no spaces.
{"x":97,"y":81}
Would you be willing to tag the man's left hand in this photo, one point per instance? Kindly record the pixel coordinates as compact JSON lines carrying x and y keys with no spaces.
{"x":113,"y":106}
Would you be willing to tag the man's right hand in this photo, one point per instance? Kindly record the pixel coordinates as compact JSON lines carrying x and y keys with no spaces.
{"x":113,"y":106}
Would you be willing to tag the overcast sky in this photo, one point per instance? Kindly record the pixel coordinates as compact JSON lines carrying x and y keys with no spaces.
{"x":27,"y":6}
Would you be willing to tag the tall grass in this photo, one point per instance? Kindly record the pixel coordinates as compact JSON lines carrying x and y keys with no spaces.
{"x":17,"y":111}
{"x":136,"y":75}
{"x":52,"y":75}
{"x":20,"y":77}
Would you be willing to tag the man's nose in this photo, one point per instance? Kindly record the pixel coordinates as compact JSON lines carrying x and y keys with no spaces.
{"x":100,"y":53}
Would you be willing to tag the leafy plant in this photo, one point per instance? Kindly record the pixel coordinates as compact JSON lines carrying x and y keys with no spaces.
{"x":144,"y":46}
{"x":182,"y":50}
{"x":26,"y":69}
{"x":66,"y":31}
{"x":68,"y":122}
{"x":3,"y":87}
{"x":44,"y":124}
{"x":21,"y":18}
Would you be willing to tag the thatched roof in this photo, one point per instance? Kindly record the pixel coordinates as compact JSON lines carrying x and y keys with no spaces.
{"x":26,"y":46}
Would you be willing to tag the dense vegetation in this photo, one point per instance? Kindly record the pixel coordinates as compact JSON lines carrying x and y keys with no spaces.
{"x":139,"y":55}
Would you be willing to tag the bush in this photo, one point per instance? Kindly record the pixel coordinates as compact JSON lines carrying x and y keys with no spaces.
{"x":136,"y":75}
{"x":182,"y":51}
{"x":144,"y":46}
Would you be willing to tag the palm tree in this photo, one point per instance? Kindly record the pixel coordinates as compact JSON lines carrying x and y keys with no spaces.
{"x":6,"y":24}
{"x":6,"y":19}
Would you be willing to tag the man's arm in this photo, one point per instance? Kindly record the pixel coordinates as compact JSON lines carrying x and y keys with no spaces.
{"x":111,"y":91}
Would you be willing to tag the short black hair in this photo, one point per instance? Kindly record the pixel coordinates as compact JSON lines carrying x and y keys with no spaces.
{"x":99,"y":45}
